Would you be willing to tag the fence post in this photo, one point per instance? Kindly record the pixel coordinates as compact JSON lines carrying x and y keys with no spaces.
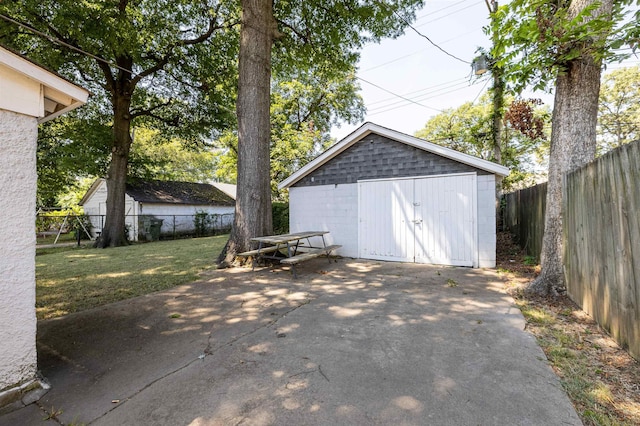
{"x":174,"y":226}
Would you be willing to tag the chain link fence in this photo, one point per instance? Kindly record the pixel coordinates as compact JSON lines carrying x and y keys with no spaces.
{"x":54,"y":228}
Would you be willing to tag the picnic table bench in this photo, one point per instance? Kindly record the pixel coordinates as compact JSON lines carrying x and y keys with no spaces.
{"x":290,"y":245}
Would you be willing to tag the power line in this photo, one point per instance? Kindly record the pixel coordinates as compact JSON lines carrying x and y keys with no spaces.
{"x":422,"y":35}
{"x":440,"y":10}
{"x":480,"y":92}
{"x":428,"y":95}
{"x":395,"y":94}
{"x":457,"y":81}
{"x":427,"y":38}
{"x":422,"y":24}
{"x":419,"y":51}
{"x":405,"y":105}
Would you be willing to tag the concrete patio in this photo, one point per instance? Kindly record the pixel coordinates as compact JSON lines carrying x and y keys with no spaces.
{"x":351,"y":342}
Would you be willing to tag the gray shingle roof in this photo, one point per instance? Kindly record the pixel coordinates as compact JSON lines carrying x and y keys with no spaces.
{"x":170,"y":192}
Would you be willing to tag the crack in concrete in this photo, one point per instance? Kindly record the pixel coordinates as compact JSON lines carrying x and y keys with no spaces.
{"x":208,"y":351}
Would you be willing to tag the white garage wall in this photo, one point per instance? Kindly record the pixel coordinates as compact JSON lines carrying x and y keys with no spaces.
{"x":486,"y":221}
{"x":331,"y":208}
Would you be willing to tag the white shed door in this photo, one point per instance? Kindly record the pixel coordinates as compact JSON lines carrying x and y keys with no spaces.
{"x":425,"y":220}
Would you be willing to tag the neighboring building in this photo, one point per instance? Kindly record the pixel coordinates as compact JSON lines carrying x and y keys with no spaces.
{"x":175,"y":204}
{"x":228,"y":188}
{"x":29,"y":95}
{"x":389,"y":196}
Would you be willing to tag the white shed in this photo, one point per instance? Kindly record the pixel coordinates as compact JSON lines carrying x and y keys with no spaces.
{"x":389,"y":196}
{"x":174,"y":203}
{"x":29,"y":94}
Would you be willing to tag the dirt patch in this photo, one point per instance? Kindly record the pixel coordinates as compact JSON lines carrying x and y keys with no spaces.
{"x":602,"y":379}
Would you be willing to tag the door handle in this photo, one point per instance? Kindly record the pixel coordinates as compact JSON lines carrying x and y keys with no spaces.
{"x":417,"y":221}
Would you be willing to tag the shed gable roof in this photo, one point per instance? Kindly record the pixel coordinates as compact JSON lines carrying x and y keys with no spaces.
{"x":369,"y":128}
{"x":170,"y":192}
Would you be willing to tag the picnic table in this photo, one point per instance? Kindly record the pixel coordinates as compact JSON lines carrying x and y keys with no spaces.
{"x":291,"y":247}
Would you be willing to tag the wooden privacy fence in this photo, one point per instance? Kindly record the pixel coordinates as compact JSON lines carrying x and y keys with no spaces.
{"x":601,"y":235}
{"x":523,"y":215}
{"x":602,"y":242}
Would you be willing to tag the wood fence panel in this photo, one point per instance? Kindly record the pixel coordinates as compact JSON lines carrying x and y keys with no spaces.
{"x":524,"y":217}
{"x":602,"y":242}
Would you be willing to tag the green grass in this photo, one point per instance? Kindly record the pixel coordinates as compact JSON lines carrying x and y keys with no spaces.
{"x":73,"y":280}
{"x":592,"y":398}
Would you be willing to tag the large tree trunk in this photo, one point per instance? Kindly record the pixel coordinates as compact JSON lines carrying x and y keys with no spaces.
{"x":253,"y":202}
{"x":573,"y":144}
{"x":113,"y":231}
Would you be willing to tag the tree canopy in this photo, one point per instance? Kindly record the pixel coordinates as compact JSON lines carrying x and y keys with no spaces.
{"x":619,"y":108}
{"x":303,"y":109}
{"x":168,"y":65}
{"x":539,"y":43}
{"x":468,"y":129}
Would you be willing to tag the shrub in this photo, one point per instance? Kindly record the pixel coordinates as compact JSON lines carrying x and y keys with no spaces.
{"x":202,"y":222}
{"x":280,"y":214}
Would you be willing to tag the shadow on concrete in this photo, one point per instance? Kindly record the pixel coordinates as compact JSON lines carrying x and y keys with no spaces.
{"x":351,"y":342}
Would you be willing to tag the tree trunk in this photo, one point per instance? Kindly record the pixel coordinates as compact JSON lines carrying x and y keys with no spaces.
{"x":253,"y":202}
{"x":113,"y":231}
{"x":573,"y":144}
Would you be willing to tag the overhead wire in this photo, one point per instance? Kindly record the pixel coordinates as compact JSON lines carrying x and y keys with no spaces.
{"x":422,"y":24}
{"x":434,"y":12}
{"x":429,"y":95}
{"x":412,"y":101}
{"x":395,"y":94}
{"x":408,"y":24}
{"x":419,"y":51}
{"x":481,"y":90}
{"x":458,"y":80}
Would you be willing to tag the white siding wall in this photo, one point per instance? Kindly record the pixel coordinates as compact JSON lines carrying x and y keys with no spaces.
{"x":18,"y":136}
{"x":332,"y":208}
{"x":486,"y":221}
{"x":96,"y":208}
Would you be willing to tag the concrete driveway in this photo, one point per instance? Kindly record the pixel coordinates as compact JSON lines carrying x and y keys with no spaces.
{"x":351,"y":342}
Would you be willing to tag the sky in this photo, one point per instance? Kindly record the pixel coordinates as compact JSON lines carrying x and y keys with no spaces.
{"x":412,"y":67}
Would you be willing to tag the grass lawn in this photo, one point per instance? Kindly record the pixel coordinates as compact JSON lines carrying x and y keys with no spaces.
{"x":600,"y":378}
{"x":73,"y":280}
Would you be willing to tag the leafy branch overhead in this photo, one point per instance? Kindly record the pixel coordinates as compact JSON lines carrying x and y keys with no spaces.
{"x":538,"y":39}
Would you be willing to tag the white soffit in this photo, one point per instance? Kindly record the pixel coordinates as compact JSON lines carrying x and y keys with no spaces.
{"x":58,"y":95}
{"x":369,"y":128}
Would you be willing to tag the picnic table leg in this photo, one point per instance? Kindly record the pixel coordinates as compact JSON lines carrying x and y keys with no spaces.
{"x":254,"y":259}
{"x":324,"y":244}
{"x":289,"y":254}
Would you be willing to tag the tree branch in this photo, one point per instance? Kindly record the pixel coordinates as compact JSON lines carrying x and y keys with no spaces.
{"x":136,"y":112}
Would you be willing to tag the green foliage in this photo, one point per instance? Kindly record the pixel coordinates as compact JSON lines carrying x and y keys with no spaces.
{"x":468,"y":129}
{"x":203,"y":223}
{"x":304,"y":106}
{"x":157,"y":157}
{"x":535,"y":40}
{"x":619,"y":108}
{"x":168,"y":65}
{"x":327,"y":36}
{"x":280,"y":212}
{"x":81,"y":225}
